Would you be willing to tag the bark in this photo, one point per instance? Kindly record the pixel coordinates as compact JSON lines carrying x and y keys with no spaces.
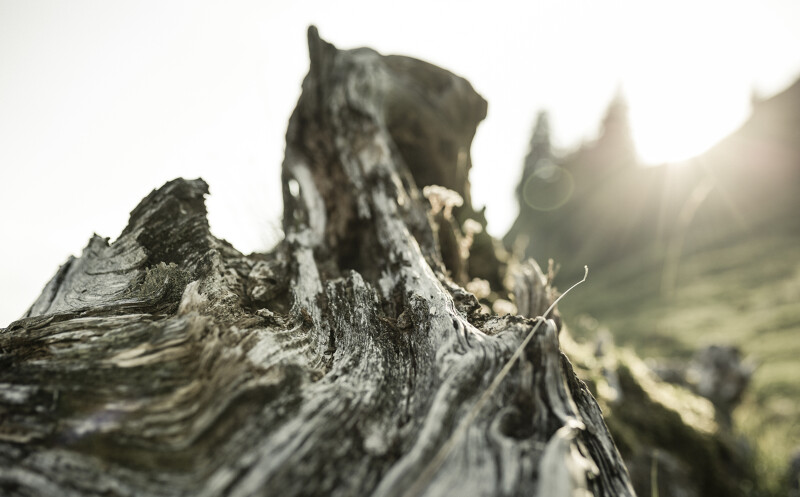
{"x":340,"y":363}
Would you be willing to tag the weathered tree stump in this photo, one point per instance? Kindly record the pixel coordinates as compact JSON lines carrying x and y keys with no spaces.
{"x":344,"y":362}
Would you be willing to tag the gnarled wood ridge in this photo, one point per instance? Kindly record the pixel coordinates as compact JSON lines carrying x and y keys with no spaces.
{"x":341,"y":363}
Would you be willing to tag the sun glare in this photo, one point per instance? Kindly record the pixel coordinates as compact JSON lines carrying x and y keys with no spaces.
{"x":673,"y":127}
{"x":687,"y":88}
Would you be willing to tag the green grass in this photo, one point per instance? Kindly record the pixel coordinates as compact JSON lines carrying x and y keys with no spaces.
{"x":745,"y":293}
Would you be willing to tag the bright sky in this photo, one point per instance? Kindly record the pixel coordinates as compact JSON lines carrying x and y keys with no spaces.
{"x":102,"y":101}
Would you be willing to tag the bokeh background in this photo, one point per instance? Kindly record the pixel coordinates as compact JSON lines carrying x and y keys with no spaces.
{"x":657,"y":142}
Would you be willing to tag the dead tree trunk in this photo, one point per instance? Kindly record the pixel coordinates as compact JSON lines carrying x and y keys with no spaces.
{"x":344,"y":362}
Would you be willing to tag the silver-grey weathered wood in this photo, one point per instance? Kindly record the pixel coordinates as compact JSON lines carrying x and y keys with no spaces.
{"x":168,"y":363}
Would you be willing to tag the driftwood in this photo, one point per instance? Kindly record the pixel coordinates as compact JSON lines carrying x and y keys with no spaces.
{"x":344,"y":362}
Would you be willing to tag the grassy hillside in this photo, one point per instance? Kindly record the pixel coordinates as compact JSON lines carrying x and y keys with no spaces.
{"x":744,"y":293}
